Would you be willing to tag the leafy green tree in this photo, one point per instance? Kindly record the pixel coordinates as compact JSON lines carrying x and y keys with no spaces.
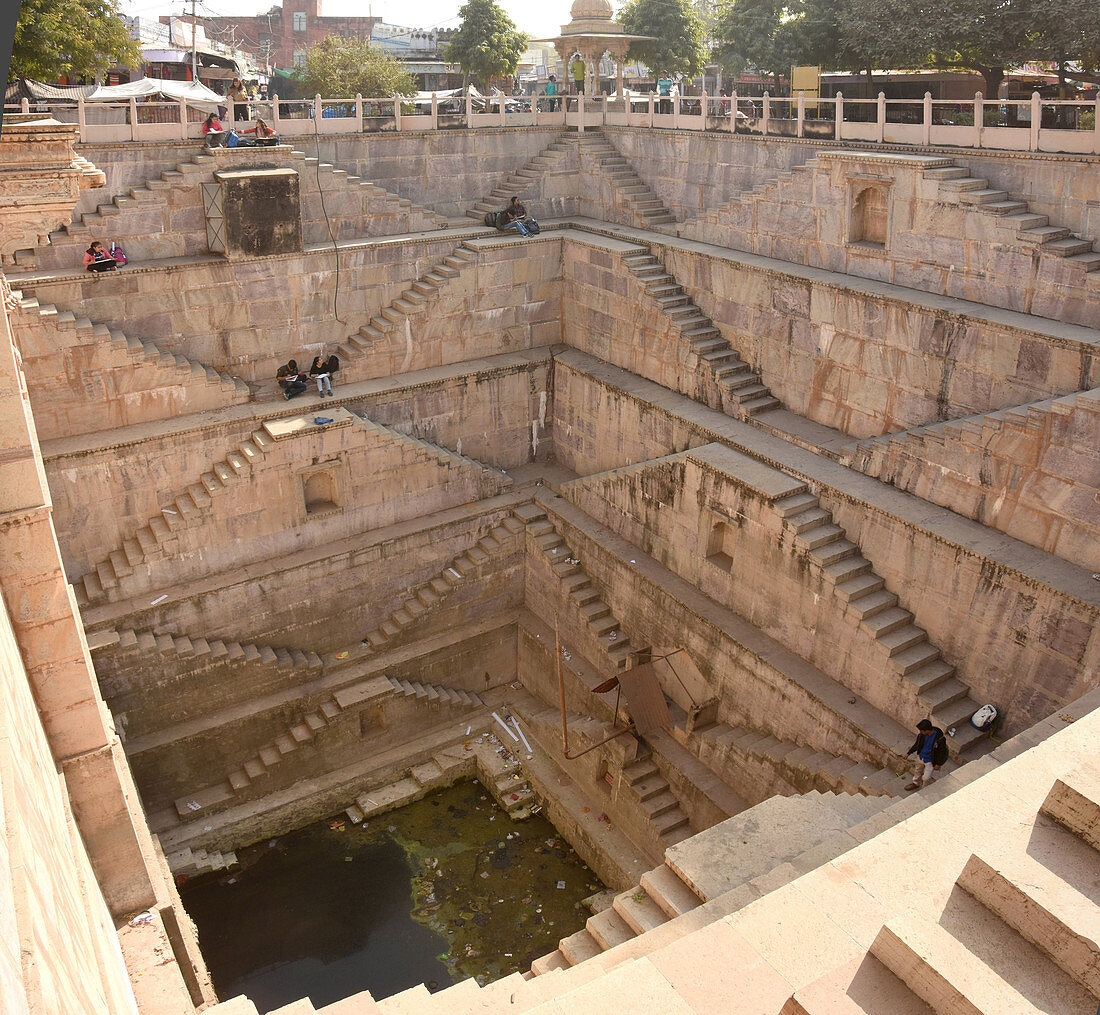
{"x":755,"y":34}
{"x":986,"y":36}
{"x":337,"y":67}
{"x":78,"y":38}
{"x":678,"y":32}
{"x":487,"y":44}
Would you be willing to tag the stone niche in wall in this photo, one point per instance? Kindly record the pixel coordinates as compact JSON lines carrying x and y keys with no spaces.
{"x":253,"y":212}
{"x":869,"y":211}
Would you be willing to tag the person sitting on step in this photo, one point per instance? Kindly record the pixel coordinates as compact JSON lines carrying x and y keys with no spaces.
{"x":265,"y":136}
{"x":513,"y":217}
{"x":320,"y":372}
{"x":290,"y":380}
{"x":96,"y":258}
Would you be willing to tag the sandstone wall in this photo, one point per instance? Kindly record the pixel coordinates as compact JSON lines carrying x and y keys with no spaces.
{"x":750,"y":684}
{"x":1031,"y":472}
{"x":928,"y":237}
{"x":868,"y":361}
{"x":447,"y":170}
{"x":956,"y":593}
{"x":292,"y":604}
{"x":248,"y":318}
{"x":83,"y":379}
{"x":189,"y":763}
{"x":102,"y":495}
{"x":692,"y":171}
{"x":58,"y":949}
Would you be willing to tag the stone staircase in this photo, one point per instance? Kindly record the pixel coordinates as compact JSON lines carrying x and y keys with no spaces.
{"x":256,"y":767}
{"x":878,"y":456}
{"x":188,"y":510}
{"x":142,"y":365}
{"x":656,"y":798}
{"x":742,"y":390}
{"x":590,"y":608}
{"x":644,"y":206}
{"x":1017,"y":937}
{"x":522,"y":180}
{"x":415,"y":300}
{"x":65,"y":245}
{"x":436,"y":692}
{"x":674,"y":900}
{"x":188,"y":861}
{"x":432,"y":592}
{"x":192,"y":508}
{"x":915,"y":662}
{"x":1015,"y":217}
{"x":194,"y":647}
{"x":733,"y":211}
{"x":721,"y":746}
{"x":381,"y":211}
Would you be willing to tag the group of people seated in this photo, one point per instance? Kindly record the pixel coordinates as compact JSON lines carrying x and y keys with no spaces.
{"x":217,"y":136}
{"x":294,"y":381}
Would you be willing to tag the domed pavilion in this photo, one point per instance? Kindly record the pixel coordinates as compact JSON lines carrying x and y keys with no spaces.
{"x":592,"y":33}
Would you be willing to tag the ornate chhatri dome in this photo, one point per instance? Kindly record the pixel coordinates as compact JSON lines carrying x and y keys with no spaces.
{"x":591,"y":10}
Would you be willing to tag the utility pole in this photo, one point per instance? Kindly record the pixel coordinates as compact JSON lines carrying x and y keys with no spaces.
{"x":194,"y":44}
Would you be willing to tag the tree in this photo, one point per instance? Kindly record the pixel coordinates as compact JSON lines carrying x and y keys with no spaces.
{"x":755,"y":34}
{"x":986,"y":36}
{"x":77,"y":38}
{"x":337,"y":67}
{"x":678,"y":35}
{"x":487,"y":44}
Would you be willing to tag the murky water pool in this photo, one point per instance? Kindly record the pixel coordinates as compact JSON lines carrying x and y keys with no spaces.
{"x":444,"y":889}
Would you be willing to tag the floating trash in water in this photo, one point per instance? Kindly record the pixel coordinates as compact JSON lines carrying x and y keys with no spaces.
{"x":484,"y":874}
{"x":561,"y":884}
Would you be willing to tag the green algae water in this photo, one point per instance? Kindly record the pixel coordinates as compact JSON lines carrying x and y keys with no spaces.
{"x":438,"y":891}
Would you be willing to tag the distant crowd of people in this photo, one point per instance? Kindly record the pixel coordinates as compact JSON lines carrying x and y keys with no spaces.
{"x":294,"y":381}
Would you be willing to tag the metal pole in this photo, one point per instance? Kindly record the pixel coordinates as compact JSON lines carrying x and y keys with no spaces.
{"x":194,"y":45}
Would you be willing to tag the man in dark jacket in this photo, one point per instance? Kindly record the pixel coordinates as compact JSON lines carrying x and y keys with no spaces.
{"x":930,"y":747}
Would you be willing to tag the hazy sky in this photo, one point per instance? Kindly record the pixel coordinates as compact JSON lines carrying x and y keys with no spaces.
{"x":539,"y":20}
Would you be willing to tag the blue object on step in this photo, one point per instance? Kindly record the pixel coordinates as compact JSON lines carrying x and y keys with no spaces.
{"x":321,"y":420}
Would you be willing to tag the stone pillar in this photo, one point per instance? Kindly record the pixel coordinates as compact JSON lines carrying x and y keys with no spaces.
{"x":619,"y":78}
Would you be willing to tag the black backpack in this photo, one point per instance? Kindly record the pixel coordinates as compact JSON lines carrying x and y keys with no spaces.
{"x":939,"y":749}
{"x":491,"y":219}
{"x":333,"y":364}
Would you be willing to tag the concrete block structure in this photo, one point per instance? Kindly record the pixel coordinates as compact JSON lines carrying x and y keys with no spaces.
{"x":810,"y":429}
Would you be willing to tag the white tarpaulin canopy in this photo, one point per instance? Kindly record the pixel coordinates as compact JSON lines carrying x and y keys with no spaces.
{"x":195,"y":92}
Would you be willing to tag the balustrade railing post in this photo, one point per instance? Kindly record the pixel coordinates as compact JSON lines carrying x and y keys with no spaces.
{"x":926,"y":119}
{"x":82,"y":125}
{"x":839,"y":116}
{"x":733,"y":112}
{"x":881,"y":116}
{"x":397,"y":111}
{"x":1036,"y":123}
{"x":317,"y":113}
{"x":24,"y":105}
{"x":359,"y":111}
{"x":801,"y":113}
{"x":435,"y":111}
{"x":133,"y":119}
{"x":580,"y":111}
{"x":469,"y":109}
{"x":766,"y":100}
{"x":1096,"y":126}
{"x":650,"y":109}
{"x":979,"y":119}
{"x":275,"y":112}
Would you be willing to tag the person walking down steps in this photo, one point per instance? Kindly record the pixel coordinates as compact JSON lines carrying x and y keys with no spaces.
{"x":930,"y":747}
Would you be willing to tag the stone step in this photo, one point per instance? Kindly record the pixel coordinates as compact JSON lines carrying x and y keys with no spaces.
{"x":1074,"y":802}
{"x":669,"y":892}
{"x":608,"y":929}
{"x":638,"y":911}
{"x":949,"y":976}
{"x":579,"y":947}
{"x":1042,"y":908}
